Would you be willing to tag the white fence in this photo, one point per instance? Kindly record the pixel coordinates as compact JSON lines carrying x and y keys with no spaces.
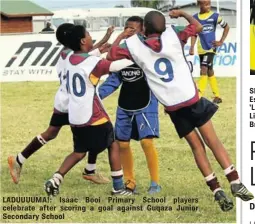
{"x":31,"y":57}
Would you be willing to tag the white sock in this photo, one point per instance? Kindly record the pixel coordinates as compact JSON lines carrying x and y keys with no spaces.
{"x":116,"y":173}
{"x":58,"y":178}
{"x":210,"y":177}
{"x":229,"y":170}
{"x":21,"y":158}
{"x":216,"y":190}
{"x":90,"y":167}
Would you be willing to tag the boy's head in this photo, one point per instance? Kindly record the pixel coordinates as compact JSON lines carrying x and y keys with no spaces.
{"x":61,"y":33}
{"x":154,"y":23}
{"x":79,"y":39}
{"x":135,"y":22}
{"x":205,"y":5}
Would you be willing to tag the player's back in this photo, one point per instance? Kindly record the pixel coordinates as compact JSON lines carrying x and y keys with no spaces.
{"x":61,"y":97}
{"x":81,"y":90}
{"x":167,"y":72}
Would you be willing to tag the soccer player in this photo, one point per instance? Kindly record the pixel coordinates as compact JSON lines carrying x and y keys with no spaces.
{"x":137,"y":116}
{"x":60,"y":115}
{"x":207,"y":46}
{"x":170,"y":79}
{"x":90,"y":124}
{"x":252,"y":37}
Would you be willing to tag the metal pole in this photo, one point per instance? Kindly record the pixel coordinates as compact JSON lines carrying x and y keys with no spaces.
{"x":218,"y":6}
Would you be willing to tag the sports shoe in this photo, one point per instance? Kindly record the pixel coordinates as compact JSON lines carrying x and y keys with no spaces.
{"x":15,"y":169}
{"x":96,"y":178}
{"x":224,"y":202}
{"x":154,"y":189}
{"x":217,"y":100}
{"x":240,"y":191}
{"x":51,"y":188}
{"x":122,"y":192}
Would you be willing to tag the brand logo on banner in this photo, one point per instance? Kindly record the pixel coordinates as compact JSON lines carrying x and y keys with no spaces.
{"x":225,"y":55}
{"x":36,"y":59}
{"x":33,"y":57}
{"x":31,"y":47}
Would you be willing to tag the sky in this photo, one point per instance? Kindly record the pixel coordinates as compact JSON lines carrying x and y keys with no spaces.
{"x":61,"y":4}
{"x":58,"y":4}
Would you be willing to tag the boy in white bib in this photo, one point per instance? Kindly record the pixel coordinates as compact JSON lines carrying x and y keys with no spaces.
{"x":162,"y":59}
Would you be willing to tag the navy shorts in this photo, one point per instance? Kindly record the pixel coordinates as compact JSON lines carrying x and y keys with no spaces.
{"x":136,"y":126}
{"x":187,"y":119}
{"x":93,"y":138}
{"x":59,"y":119}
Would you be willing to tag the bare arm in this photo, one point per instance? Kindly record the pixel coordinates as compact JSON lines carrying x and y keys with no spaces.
{"x":226,"y":28}
{"x":225,"y":34}
{"x":193,"y":42}
{"x":189,"y":18}
{"x":105,"y":38}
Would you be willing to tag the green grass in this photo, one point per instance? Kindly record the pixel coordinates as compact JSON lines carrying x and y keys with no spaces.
{"x":26,"y":111}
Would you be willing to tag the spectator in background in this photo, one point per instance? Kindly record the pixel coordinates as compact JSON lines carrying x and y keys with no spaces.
{"x":48,"y":28}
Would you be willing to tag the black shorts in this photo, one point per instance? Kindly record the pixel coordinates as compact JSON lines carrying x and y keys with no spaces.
{"x":93,"y":138}
{"x":207,"y":60}
{"x":59,"y":119}
{"x":188,"y":118}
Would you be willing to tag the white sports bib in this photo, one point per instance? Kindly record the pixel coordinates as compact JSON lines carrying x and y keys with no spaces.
{"x":168,"y":73}
{"x":61,"y":97}
{"x":81,"y":91}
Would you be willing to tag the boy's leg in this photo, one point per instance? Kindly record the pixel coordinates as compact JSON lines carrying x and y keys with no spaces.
{"x":211,"y":139}
{"x":147,"y":126}
{"x":52,"y":185}
{"x":184,"y":121}
{"x":15,"y":163}
{"x":127,"y":161}
{"x":214,"y":85}
{"x":202,"y":83}
{"x":204,"y":166}
{"x":116,"y":171}
{"x":123,"y":130}
{"x":90,"y":170}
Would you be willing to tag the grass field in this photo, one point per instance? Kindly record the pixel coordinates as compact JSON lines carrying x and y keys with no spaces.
{"x":26,"y":110}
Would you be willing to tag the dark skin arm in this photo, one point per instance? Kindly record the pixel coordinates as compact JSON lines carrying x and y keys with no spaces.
{"x":105,"y":38}
{"x":189,"y":18}
{"x":224,"y":36}
{"x":193,"y":42}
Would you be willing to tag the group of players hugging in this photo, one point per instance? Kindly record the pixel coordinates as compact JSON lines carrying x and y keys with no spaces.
{"x":151,"y":68}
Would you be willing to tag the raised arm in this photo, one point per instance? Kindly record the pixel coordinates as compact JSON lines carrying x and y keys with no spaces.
{"x":118,"y":51}
{"x":189,"y":18}
{"x":107,"y":36}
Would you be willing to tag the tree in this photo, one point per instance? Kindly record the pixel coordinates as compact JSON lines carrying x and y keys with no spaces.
{"x":149,"y":4}
{"x":119,"y":6}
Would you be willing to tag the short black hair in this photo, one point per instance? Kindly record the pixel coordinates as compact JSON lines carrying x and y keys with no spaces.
{"x":61,"y":33}
{"x":74,"y":36}
{"x":154,"y":22}
{"x":137,"y":19}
